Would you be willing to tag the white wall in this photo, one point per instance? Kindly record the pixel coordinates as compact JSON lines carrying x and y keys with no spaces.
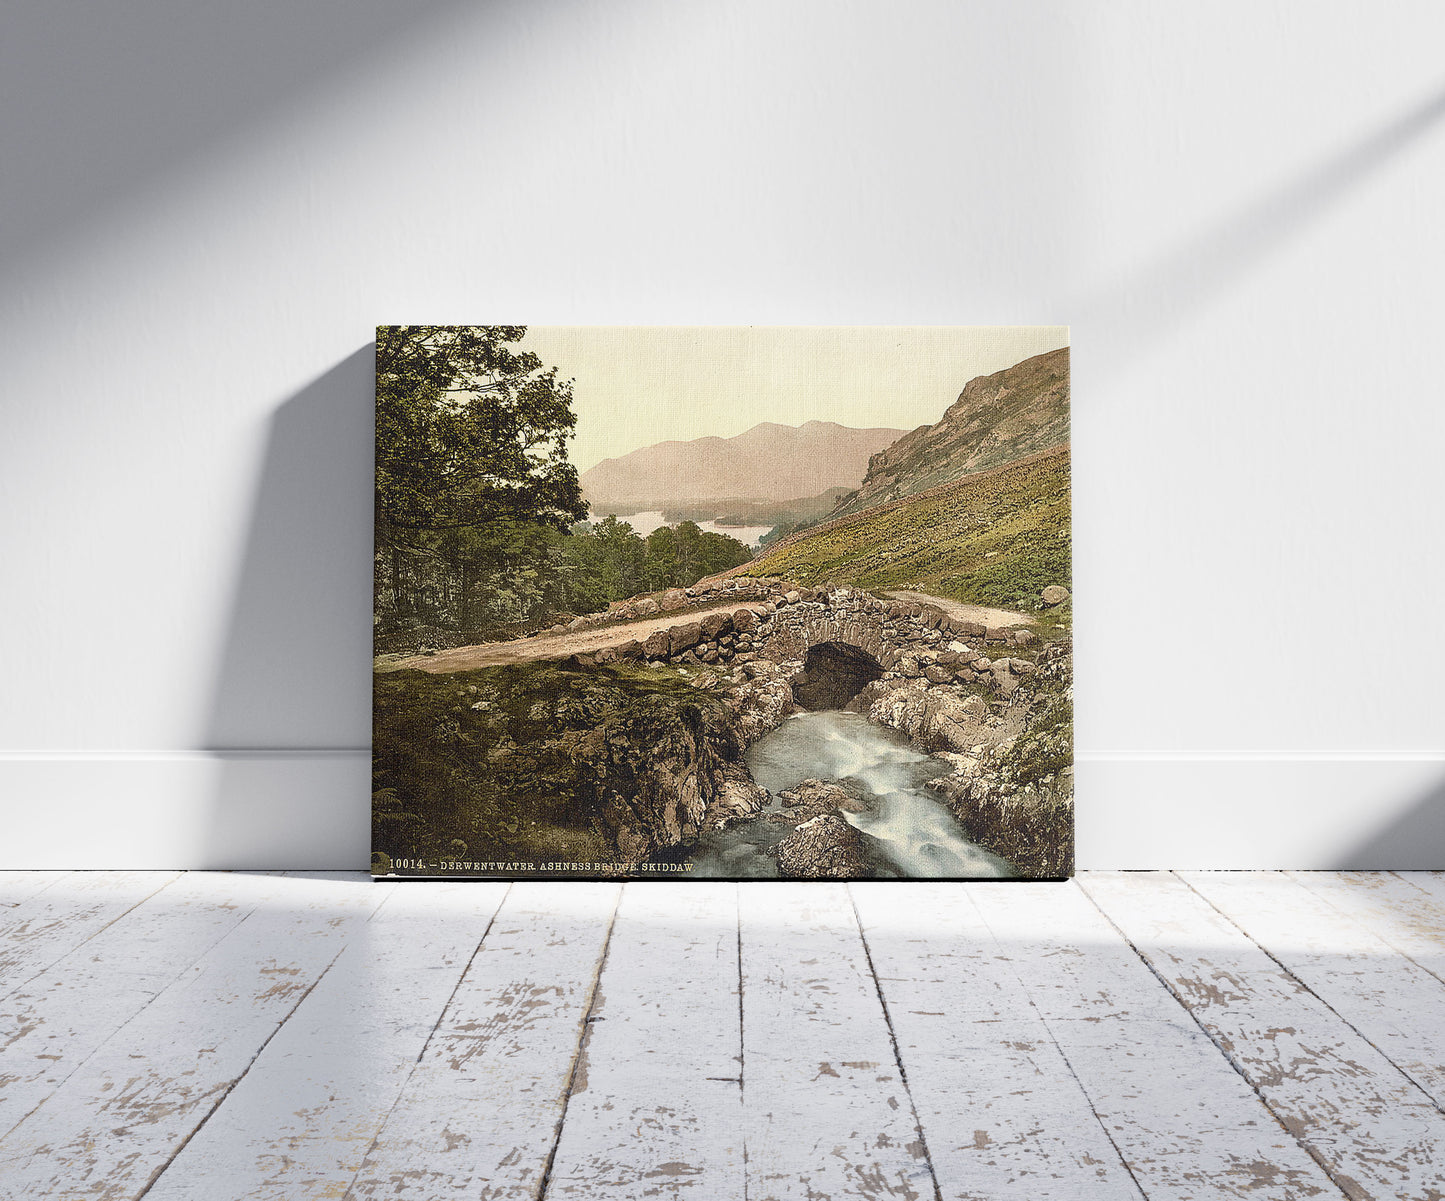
{"x":207,"y":206}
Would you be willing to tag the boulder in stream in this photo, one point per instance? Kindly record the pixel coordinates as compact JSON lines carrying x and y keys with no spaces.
{"x":825,"y":848}
{"x":812,"y":798}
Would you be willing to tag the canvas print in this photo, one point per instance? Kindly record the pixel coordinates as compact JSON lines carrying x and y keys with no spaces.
{"x":731,"y":602}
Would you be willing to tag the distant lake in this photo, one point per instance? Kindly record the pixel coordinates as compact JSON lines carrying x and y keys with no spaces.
{"x":645,"y":523}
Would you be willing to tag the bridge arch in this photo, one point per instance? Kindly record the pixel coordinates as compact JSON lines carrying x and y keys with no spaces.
{"x":833,"y":674}
{"x":797,"y":629}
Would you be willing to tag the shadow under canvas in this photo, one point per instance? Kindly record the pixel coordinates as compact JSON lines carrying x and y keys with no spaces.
{"x":290,"y":712}
{"x":1413,"y":841}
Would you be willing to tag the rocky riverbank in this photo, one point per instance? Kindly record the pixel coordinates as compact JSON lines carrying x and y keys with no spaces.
{"x":529,"y":764}
{"x":1013,"y":789}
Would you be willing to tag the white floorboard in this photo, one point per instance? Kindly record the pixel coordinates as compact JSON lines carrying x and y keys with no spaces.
{"x":1186,"y":1125}
{"x":826,"y":1110}
{"x":117,"y":1121}
{"x":302,"y":1120}
{"x":1002,"y":1114}
{"x":1273,"y":1036}
{"x":656,"y":1106}
{"x":1311,"y":1067}
{"x":53,"y":1023}
{"x":16,"y":887}
{"x":47,"y":924}
{"x":480,"y":1114}
{"x":1405,"y":909}
{"x":1388,"y":999}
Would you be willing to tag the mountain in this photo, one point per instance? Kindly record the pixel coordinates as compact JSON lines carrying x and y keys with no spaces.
{"x":996,"y":419}
{"x":769,"y":462}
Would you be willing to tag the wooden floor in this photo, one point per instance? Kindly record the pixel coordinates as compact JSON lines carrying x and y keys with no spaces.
{"x":1191,"y":1035}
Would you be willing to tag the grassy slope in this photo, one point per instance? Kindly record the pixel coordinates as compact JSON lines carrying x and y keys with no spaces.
{"x":994,"y":538}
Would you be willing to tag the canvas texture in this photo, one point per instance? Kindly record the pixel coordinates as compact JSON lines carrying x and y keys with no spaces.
{"x":723,"y":602}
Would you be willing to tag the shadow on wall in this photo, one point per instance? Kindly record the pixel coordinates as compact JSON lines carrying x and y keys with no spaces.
{"x":290,"y":713}
{"x":131,"y":92}
{"x":1415,"y":841}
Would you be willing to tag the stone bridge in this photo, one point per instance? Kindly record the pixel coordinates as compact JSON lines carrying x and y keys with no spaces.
{"x":830,"y":642}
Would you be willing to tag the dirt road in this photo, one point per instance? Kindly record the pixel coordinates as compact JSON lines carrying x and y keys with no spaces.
{"x":963,"y":612}
{"x":557,"y":646}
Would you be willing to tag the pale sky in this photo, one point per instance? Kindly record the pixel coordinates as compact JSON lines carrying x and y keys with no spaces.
{"x":637,"y":385}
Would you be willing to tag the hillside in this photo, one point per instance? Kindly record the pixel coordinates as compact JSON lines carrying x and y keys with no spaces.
{"x":997,"y":537}
{"x":769,"y":462}
{"x":996,"y":419}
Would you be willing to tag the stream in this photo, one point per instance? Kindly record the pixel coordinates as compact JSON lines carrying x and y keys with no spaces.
{"x":912,"y":833}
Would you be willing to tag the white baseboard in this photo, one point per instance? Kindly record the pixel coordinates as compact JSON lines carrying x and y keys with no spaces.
{"x":186,"y":809}
{"x":1367,"y":811}
{"x":308,"y":809}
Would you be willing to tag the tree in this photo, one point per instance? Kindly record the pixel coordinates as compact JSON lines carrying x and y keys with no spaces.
{"x":623,"y":558}
{"x":583,"y":571}
{"x":688,"y":535}
{"x":472,"y":477}
{"x":680,"y":555}
{"x":661,"y":566}
{"x":719,"y":552}
{"x":469,"y":431}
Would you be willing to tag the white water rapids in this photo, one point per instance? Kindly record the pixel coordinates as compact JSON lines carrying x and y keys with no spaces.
{"x":911,"y":829}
